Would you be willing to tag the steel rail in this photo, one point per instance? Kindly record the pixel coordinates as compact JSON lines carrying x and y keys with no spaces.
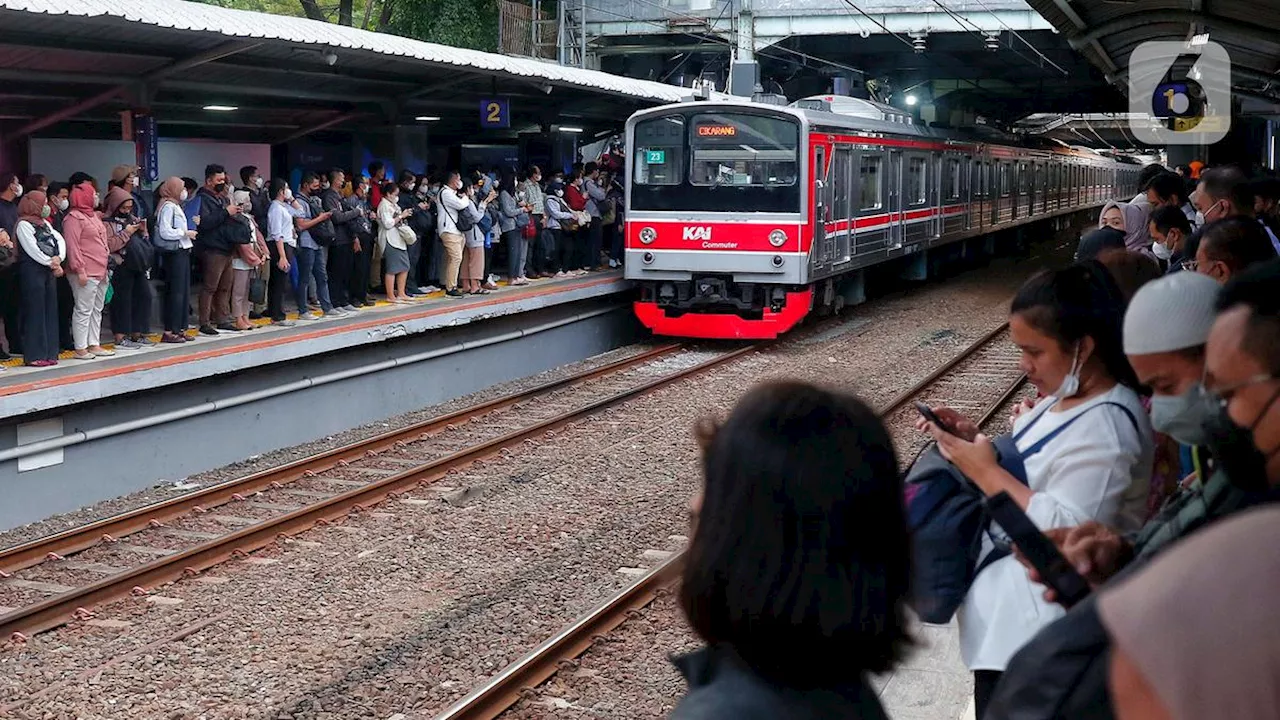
{"x":113,"y":528}
{"x":502,"y":691}
{"x":57,"y":610}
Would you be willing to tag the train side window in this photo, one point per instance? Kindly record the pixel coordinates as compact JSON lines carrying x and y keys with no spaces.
{"x":917,"y":170}
{"x":953,"y":179}
{"x":838,"y":180}
{"x":869,"y":180}
{"x":1004,"y":179}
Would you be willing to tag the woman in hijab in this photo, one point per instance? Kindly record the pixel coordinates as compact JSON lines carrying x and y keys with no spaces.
{"x":87,"y":252}
{"x":131,"y":302}
{"x":1129,"y":219}
{"x":174,"y":241}
{"x":1195,"y":634}
{"x":39,"y":267}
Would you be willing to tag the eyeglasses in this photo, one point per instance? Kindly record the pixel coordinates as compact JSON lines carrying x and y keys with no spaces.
{"x":1224,"y":394}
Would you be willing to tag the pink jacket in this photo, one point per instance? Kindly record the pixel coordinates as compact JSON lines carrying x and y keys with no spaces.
{"x":86,"y":235}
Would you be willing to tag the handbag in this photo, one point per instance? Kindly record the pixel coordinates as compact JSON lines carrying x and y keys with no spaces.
{"x":257,"y":290}
{"x":407,"y":235}
{"x":530,"y":229}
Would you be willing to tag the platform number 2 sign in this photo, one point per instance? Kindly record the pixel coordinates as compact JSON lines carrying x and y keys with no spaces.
{"x":495,"y":113}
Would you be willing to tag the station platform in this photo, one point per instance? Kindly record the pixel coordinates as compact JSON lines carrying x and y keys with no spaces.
{"x":25,"y":390}
{"x":84,"y":431}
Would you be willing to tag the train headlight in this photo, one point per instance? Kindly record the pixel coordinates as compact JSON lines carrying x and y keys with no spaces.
{"x":778,"y":238}
{"x":648,"y":235}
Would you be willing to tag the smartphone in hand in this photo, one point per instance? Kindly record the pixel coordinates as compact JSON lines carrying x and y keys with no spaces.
{"x":932,"y":417}
{"x":1057,"y":573}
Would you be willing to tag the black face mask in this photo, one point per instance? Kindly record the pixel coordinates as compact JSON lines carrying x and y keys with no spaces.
{"x":220,"y":188}
{"x":1235,"y":451}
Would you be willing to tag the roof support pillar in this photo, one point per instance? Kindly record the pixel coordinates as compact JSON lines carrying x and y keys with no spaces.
{"x":70,"y":111}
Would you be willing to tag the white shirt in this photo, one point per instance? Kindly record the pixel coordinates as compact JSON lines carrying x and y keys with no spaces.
{"x":1097,"y":469}
{"x":453,"y":203}
{"x":280,"y":224}
{"x":27,"y":239}
{"x":387,"y":212}
{"x":171,"y":225}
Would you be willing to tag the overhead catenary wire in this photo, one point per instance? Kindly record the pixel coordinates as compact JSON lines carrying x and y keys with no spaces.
{"x":977,"y":29}
{"x":713,"y":38}
{"x":1019,"y":36}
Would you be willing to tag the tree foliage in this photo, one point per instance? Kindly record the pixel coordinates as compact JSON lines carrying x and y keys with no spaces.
{"x":458,"y":23}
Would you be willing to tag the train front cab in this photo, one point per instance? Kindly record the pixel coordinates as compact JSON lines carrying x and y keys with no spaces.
{"x":715,"y":228}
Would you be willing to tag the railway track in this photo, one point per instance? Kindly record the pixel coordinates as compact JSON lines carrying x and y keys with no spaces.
{"x":978,"y":382}
{"x":50,"y":581}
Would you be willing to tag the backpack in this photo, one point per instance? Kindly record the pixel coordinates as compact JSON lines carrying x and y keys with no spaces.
{"x":461,"y":220}
{"x":323,"y":233}
{"x":947,"y":519}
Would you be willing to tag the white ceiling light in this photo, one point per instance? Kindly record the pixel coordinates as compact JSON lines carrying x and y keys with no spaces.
{"x":426,"y":118}
{"x":911,"y":100}
{"x":1200,"y":39}
{"x":220,"y":108}
{"x":566,"y":128}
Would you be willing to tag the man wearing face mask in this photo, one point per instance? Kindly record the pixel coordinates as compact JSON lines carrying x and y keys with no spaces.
{"x":214,"y":240}
{"x":10,"y":191}
{"x":1169,"y":229}
{"x":251,"y":181}
{"x":1225,"y":398}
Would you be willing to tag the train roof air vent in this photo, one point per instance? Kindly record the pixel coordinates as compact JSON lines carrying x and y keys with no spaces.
{"x":855,"y":107}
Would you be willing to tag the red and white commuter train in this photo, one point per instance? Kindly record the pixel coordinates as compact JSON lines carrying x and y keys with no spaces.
{"x":742,"y":217}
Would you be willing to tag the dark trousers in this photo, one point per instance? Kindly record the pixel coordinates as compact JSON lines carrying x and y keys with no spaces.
{"x":358,"y":290}
{"x":595,"y":242}
{"x":564,"y":240}
{"x":130,"y":302}
{"x":177,"y":290}
{"x":514,"y":242}
{"x":341,"y":260}
{"x":539,"y":260}
{"x":10,"y":305}
{"x":616,"y":236}
{"x":39,"y":310}
{"x":411,"y":283}
{"x":435,"y":258}
{"x":66,"y":305}
{"x":984,"y":686}
{"x":279,"y":284}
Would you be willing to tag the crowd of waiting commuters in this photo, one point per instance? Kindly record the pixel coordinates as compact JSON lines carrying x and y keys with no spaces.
{"x":77,"y":254}
{"x":800,"y":570}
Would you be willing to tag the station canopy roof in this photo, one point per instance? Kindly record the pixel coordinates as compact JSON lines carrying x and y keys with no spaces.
{"x":1108,"y":31}
{"x":69,"y":67}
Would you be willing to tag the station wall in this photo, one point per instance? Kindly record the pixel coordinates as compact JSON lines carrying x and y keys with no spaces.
{"x":58,"y":158}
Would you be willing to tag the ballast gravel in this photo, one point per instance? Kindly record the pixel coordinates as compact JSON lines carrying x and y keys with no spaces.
{"x":402,"y":610}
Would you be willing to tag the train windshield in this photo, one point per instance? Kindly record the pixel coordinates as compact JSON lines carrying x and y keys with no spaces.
{"x":717,"y":161}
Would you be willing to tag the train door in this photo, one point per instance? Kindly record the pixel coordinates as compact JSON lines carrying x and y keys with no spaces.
{"x":821,"y":208}
{"x":841,"y":182}
{"x":893,"y":200}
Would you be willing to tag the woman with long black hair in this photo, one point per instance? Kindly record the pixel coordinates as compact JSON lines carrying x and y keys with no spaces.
{"x":1068,"y":326}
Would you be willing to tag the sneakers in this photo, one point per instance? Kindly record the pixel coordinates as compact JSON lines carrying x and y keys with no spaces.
{"x":335,"y":313}
{"x":613,"y":264}
{"x":144,"y":341}
{"x":454,"y":293}
{"x":284,"y":323}
{"x":129,"y":343}
{"x":309,"y":316}
{"x":208,"y":330}
{"x":348,"y":308}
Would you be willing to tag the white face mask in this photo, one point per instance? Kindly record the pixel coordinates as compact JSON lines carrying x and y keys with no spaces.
{"x":1161,"y":251}
{"x":135,"y":182}
{"x":63,"y":204}
{"x":17,"y":190}
{"x":1184,"y":417}
{"x":288,"y":195}
{"x":1071,"y":383}
{"x":184,"y":195}
{"x":257,"y":183}
{"x":1199,"y":219}
{"x":97,"y":199}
